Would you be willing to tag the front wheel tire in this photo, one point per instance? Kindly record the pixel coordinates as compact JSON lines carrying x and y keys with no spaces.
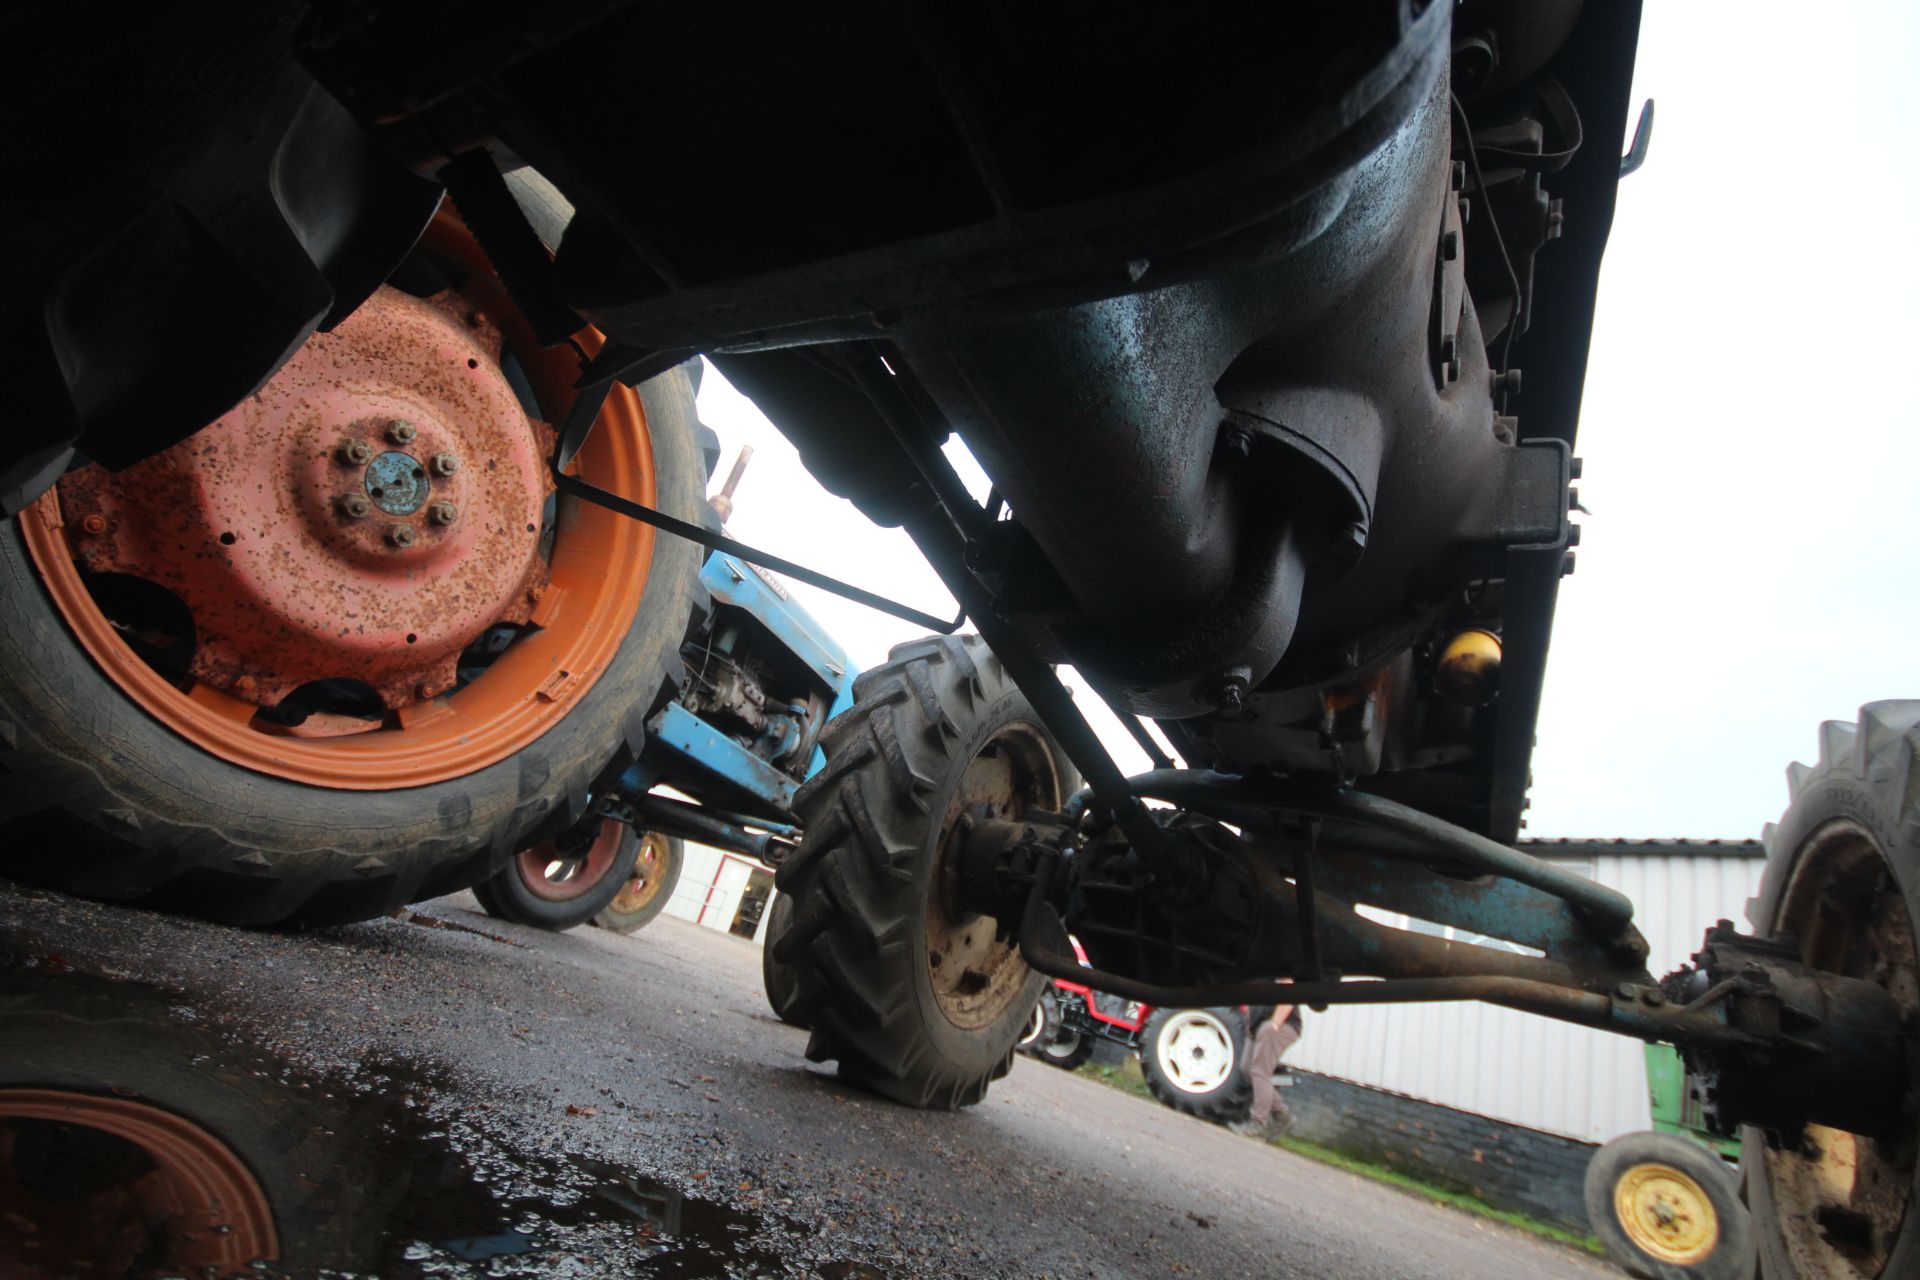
{"x":1666,"y":1208}
{"x":1195,"y":1061}
{"x":915,"y":999}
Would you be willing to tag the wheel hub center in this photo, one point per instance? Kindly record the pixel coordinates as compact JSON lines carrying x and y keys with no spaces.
{"x":366,"y":515}
{"x":398,"y":483}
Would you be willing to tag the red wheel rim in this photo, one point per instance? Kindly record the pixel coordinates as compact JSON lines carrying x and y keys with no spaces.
{"x":206,"y":1204}
{"x":552,"y":877}
{"x":577,"y":604}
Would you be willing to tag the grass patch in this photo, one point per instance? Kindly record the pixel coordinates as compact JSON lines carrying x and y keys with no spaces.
{"x":1127,"y":1078}
{"x":1439,"y":1195}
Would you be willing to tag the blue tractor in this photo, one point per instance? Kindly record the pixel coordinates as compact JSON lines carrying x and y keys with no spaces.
{"x":760,"y":679}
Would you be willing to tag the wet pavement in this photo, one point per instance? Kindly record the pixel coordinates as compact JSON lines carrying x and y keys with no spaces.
{"x":445,"y":1095}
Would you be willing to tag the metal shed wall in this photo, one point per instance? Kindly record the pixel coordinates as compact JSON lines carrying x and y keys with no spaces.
{"x":1528,"y":1070}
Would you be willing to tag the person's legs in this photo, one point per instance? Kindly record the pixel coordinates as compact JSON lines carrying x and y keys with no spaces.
{"x":1267,"y":1048}
{"x":1283,"y":1039}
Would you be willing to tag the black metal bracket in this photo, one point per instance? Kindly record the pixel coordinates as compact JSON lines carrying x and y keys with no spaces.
{"x":579,"y":423}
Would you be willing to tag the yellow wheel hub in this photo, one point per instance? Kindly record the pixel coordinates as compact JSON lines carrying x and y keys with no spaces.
{"x":1666,"y":1214}
{"x":645,"y":883}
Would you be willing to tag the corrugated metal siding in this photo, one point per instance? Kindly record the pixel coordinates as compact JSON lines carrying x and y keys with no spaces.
{"x":1525,"y":1069}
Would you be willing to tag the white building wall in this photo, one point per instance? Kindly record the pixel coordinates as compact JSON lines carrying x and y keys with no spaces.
{"x":1520,"y":1067}
{"x":710,"y":887}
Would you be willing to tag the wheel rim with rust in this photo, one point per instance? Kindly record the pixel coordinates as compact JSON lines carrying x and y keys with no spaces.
{"x":556,"y":874}
{"x":974,"y":973}
{"x":191,"y":1197}
{"x":648,"y":878}
{"x":358,"y":579}
{"x":1666,"y":1214}
{"x":1195,"y":1051}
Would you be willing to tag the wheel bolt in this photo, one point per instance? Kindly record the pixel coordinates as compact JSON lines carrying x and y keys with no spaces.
{"x":354,"y":506}
{"x":243,"y":684}
{"x":354,"y":453}
{"x":443,"y":513}
{"x":94,"y":524}
{"x":401,"y":432}
{"x":445,"y":464}
{"x":400,"y":535}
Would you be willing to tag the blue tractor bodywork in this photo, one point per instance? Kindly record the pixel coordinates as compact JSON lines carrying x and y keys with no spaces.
{"x":762,"y":679}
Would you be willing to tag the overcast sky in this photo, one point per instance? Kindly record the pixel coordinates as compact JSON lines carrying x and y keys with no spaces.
{"x":1749,"y":431}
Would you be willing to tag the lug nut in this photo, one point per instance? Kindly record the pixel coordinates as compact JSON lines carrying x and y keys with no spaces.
{"x":243,"y":684}
{"x":400,"y":535}
{"x":354,"y":506}
{"x":94,"y":524}
{"x":354,"y":453}
{"x":401,"y":432}
{"x":443,"y":513}
{"x":445,"y":464}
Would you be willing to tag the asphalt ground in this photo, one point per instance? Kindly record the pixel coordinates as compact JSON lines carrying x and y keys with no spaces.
{"x":447,"y":1095}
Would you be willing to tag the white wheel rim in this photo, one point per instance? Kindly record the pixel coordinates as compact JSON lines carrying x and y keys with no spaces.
{"x":1063,"y":1047}
{"x":1195,"y":1051}
{"x":1035,"y":1025}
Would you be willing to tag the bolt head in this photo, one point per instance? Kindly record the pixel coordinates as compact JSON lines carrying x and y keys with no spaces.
{"x":400,"y":535}
{"x":354,"y":506}
{"x":94,"y":524}
{"x":244,"y":684}
{"x":354,"y":453}
{"x":445,"y":464}
{"x":401,"y":432}
{"x":443,"y":513}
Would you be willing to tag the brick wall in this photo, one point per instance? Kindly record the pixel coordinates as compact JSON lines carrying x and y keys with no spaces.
{"x":1505,"y":1165}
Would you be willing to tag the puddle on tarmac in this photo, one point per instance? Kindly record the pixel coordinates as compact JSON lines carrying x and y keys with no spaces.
{"x":138,"y":1141}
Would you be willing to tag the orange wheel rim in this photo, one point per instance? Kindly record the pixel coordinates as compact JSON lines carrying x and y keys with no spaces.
{"x":596,"y":573}
{"x":216,"y":1216}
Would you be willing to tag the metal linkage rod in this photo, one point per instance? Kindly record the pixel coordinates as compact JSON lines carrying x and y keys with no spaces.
{"x":1626,"y":1012}
{"x":580,"y":421}
{"x":1228,"y":798}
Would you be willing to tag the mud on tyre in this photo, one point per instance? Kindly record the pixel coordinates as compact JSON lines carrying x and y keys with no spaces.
{"x":915,"y":1000}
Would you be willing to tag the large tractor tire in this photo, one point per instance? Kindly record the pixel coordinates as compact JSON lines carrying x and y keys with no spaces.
{"x":1195,"y":1060}
{"x":567,"y":881}
{"x":1843,"y":881}
{"x":342,"y":649}
{"x":1666,"y":1208}
{"x":915,"y":999}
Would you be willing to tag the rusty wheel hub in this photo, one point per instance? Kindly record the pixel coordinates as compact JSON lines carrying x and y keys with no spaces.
{"x":974,"y":972}
{"x":368,"y":514}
